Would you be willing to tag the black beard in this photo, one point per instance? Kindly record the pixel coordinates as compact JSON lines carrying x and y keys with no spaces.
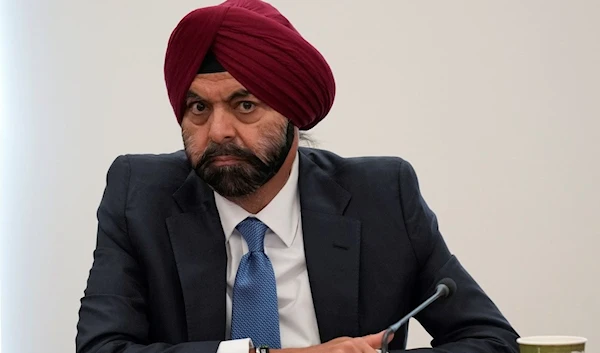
{"x":250,"y":173}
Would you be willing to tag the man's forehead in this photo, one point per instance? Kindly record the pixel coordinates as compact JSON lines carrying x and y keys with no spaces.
{"x":215,"y":77}
{"x":215,"y":86}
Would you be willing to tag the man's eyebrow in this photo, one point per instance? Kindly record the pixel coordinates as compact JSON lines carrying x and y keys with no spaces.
{"x":240,"y":93}
{"x":192,"y":95}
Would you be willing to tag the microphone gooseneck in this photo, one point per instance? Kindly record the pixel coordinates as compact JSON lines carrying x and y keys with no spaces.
{"x":444,"y":289}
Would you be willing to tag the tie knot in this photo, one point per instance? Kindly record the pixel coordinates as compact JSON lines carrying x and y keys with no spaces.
{"x":253,"y":231}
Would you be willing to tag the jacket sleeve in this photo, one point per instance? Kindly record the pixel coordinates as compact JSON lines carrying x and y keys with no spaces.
{"x":467,"y":322}
{"x":112,"y":316}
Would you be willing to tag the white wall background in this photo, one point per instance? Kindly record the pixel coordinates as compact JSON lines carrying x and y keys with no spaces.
{"x":496,"y":104}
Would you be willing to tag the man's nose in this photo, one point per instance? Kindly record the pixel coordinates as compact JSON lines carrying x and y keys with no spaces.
{"x":222,"y":127}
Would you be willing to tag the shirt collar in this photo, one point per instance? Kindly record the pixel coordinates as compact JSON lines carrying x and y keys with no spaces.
{"x":281,"y":215}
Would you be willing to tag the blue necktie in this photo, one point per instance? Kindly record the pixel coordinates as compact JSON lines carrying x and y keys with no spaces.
{"x":254,"y":310}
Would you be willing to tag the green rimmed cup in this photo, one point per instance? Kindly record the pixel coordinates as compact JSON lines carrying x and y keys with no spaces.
{"x":552,"y":344}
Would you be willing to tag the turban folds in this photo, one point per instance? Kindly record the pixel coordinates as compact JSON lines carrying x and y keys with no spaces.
{"x":261,"y":49}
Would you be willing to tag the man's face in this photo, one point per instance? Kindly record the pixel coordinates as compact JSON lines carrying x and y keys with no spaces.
{"x":234,"y":142}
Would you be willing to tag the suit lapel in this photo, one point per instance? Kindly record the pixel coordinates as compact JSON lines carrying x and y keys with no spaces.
{"x":332,"y":250}
{"x":199,"y":247}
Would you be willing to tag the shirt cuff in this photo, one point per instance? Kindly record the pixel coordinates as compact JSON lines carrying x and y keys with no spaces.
{"x":235,"y":346}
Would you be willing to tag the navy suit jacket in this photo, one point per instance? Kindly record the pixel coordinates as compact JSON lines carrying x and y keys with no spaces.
{"x":373,"y":253}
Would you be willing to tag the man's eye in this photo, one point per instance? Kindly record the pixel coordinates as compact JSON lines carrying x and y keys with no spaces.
{"x":246,"y":107}
{"x":197,"y":108}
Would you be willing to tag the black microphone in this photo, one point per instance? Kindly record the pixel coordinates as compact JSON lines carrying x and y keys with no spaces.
{"x":444,"y":289}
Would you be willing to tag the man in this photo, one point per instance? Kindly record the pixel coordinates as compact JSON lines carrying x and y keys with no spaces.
{"x":245,"y":240}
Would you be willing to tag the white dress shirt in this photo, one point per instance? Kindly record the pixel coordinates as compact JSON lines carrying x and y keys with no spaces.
{"x":284,"y":245}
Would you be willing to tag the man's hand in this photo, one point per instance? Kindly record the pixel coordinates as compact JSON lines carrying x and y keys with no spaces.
{"x":365,"y":344}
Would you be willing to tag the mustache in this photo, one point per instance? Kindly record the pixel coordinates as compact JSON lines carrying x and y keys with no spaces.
{"x":230,"y":150}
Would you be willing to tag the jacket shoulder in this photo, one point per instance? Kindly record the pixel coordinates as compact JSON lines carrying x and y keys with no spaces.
{"x":165,"y":171}
{"x":170,"y":163}
{"x":366,"y":168}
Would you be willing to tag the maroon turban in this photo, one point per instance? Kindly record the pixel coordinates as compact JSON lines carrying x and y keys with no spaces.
{"x":261,"y":49}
